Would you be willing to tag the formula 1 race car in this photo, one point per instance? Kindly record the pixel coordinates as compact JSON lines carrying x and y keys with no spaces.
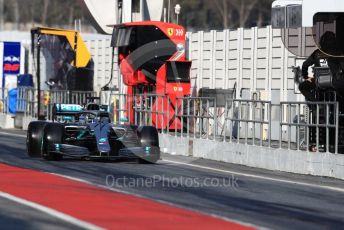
{"x":87,"y":133}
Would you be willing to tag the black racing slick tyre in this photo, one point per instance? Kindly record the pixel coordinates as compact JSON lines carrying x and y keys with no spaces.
{"x":34,"y":138}
{"x":149,"y":137}
{"x":54,"y":133}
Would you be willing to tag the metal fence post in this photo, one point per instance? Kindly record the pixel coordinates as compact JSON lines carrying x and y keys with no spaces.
{"x":270,"y":125}
{"x":337,"y":128}
{"x":215,"y":120}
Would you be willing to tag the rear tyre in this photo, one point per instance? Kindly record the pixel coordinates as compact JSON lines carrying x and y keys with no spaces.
{"x":149,"y":138}
{"x":53,"y":134}
{"x":34,"y":138}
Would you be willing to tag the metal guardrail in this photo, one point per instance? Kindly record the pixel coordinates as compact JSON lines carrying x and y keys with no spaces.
{"x":244,"y":121}
{"x":316,"y":125}
{"x":119,"y":106}
{"x":64,"y":97}
{"x":27,"y":100}
{"x":197,"y":116}
{"x":311,"y":126}
{"x":254,"y":117}
{"x":149,"y":110}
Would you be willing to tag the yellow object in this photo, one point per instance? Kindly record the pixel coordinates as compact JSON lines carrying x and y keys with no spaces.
{"x":46,"y":99}
{"x":75,"y":40}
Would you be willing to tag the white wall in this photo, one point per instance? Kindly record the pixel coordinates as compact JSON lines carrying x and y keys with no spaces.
{"x":102,"y":56}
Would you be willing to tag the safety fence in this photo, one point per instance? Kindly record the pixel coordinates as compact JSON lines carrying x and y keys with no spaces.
{"x":301,"y":126}
{"x":249,"y":122}
{"x":27,"y":100}
{"x":311,"y":126}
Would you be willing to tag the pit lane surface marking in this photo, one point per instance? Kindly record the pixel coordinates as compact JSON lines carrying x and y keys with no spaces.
{"x":98,"y":206}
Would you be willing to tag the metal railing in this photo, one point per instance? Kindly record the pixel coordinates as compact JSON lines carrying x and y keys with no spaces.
{"x":53,"y":97}
{"x":119,"y":107}
{"x":300,"y":126}
{"x":249,"y":121}
{"x":27,"y":100}
{"x":151,"y":110}
{"x":315,"y":126}
{"x":197,"y":116}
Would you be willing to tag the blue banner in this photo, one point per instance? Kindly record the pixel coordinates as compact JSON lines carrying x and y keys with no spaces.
{"x":11,"y":60}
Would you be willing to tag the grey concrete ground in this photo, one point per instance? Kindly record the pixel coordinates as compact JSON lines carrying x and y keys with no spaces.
{"x":15,"y":216}
{"x":259,"y":197}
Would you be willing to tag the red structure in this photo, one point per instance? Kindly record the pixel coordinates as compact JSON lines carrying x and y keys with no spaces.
{"x":152,"y":61}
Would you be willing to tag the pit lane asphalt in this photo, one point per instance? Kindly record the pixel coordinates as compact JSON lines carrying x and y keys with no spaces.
{"x":269,"y":203}
{"x":17,"y":216}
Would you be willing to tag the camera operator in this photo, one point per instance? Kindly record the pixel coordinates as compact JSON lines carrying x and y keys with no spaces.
{"x":327,"y":45}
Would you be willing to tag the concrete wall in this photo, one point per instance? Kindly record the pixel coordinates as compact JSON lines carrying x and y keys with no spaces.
{"x":6,"y":121}
{"x":26,"y":122}
{"x":308,"y":163}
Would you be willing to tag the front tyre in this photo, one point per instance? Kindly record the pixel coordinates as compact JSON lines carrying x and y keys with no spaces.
{"x":153,"y":157}
{"x":149,"y":138}
{"x":34,"y":138}
{"x":54,"y":133}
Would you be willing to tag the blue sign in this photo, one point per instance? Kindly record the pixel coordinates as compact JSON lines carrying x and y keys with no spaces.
{"x":11,"y":59}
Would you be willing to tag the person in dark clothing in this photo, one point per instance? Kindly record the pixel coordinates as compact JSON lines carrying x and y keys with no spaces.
{"x":328,"y":45}
{"x":308,"y":87}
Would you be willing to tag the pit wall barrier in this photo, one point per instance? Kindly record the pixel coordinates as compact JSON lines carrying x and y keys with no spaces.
{"x":284,"y":160}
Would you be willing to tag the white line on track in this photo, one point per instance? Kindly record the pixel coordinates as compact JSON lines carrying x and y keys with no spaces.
{"x":51,"y":212}
{"x":336,"y":189}
{"x":12,"y":134}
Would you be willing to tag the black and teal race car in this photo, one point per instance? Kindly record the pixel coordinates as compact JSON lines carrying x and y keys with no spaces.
{"x":87,"y":133}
